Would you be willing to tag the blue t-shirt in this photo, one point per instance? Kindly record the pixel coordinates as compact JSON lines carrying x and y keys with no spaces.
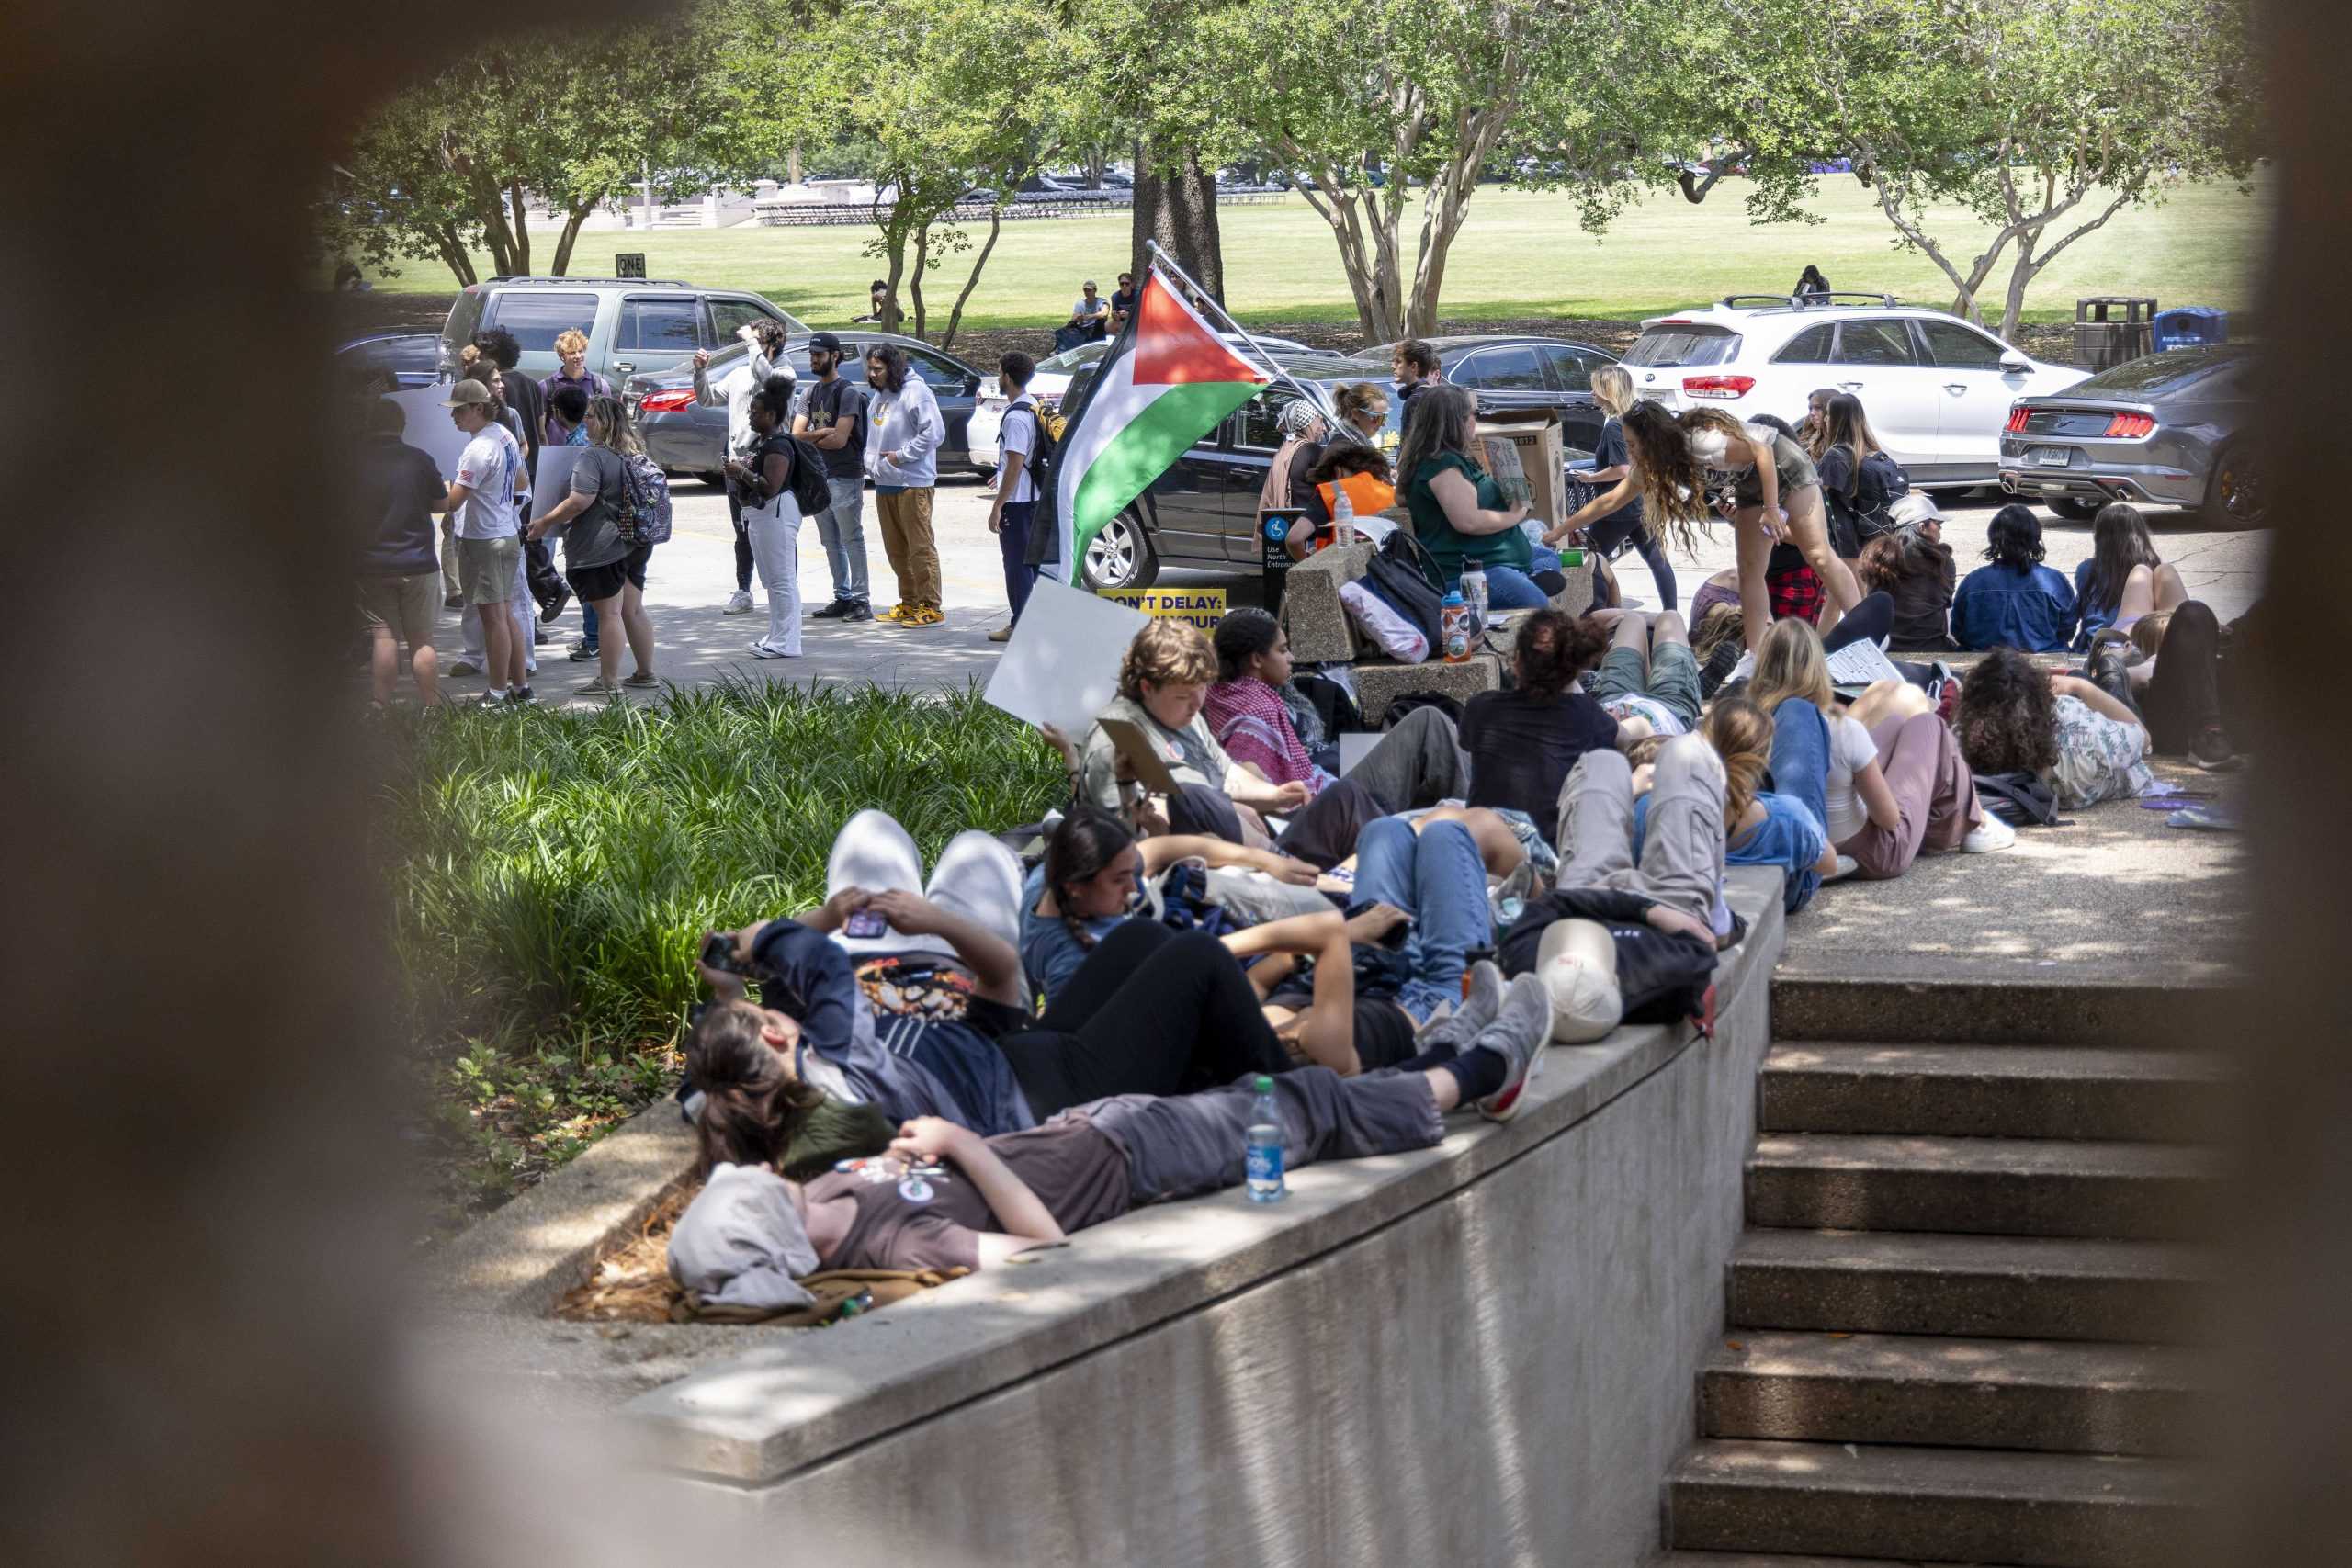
{"x":1998,"y":607}
{"x":1049,"y":951}
{"x":1789,"y":836}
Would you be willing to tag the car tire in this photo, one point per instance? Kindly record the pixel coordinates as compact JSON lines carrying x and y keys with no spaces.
{"x":716,"y":481}
{"x":2072,"y":511}
{"x":1122,"y":554}
{"x":2233,"y":496}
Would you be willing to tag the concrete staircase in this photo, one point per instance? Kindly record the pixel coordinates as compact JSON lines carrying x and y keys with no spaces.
{"x":1956,"y":1317}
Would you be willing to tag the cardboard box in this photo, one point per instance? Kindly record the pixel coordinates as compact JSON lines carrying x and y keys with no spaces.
{"x":1528,"y":445}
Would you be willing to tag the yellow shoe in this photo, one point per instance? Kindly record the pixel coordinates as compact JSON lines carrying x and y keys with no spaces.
{"x":921,"y":616}
{"x":896,"y":615}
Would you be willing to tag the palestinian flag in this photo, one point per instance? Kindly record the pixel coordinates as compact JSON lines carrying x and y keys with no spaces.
{"x":1165,"y":384}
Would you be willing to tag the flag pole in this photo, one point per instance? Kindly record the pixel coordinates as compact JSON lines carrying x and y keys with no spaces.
{"x":1161,"y":258}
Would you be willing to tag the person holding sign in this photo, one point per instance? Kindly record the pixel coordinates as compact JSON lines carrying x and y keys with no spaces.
{"x":604,"y":570}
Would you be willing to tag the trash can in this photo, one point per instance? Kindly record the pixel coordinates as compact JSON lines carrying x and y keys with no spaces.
{"x":2187,"y":324}
{"x":2112,"y":329}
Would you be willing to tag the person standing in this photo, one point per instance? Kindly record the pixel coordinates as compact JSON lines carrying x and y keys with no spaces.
{"x":1612,"y":389}
{"x":481,"y":366}
{"x":903,"y":432}
{"x":568,"y":426}
{"x":528,"y":405}
{"x":1016,"y":488}
{"x":572,"y":353}
{"x":773,"y":514}
{"x":607,"y":570}
{"x":395,"y":490}
{"x":1415,"y":363}
{"x":1124,"y":299}
{"x":762,"y":357}
{"x":832,"y":418}
{"x":489,"y":553}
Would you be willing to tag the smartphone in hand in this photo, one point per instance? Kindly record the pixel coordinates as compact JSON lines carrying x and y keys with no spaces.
{"x":865,"y":923}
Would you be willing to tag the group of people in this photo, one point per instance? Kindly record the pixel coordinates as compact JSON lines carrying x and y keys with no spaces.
{"x":1093,"y":317}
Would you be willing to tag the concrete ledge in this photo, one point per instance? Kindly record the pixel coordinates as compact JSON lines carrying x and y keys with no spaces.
{"x":1481,"y":1351}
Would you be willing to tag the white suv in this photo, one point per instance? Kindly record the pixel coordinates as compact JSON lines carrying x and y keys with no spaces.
{"x":1936,"y":389}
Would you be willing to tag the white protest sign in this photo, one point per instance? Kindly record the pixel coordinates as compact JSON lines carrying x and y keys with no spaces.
{"x":429,"y":427}
{"x":1355,"y":749}
{"x":1062,"y":666}
{"x":551,"y":481}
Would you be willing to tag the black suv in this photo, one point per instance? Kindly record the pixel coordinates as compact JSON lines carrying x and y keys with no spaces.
{"x":1521,"y":373}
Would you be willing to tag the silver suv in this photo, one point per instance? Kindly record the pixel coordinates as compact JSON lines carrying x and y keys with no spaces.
{"x":635,"y":326}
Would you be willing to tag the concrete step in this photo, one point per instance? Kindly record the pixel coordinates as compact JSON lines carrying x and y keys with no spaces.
{"x":1948,"y":1505}
{"x":1979,"y":1186}
{"x":1775,"y":1560}
{"x":1992,"y":1092}
{"x":1976,"y":1394}
{"x":1991,"y":1287}
{"x":1995,"y":1002}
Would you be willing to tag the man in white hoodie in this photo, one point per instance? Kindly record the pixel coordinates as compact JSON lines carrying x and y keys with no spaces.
{"x":903,"y":435}
{"x":763,"y":358}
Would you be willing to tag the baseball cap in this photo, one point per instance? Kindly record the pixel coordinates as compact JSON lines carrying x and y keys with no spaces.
{"x":827,"y":342}
{"x":1580,"y":975}
{"x":465,"y":393}
{"x":1089,"y":284}
{"x":1913,"y":508}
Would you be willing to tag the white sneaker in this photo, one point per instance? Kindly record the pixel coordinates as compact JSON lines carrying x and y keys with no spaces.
{"x":1988,"y":837}
{"x":1847,"y":866}
{"x":738,"y":603}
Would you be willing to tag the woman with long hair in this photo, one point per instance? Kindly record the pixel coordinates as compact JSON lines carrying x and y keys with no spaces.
{"x":1912,"y":567}
{"x":607,"y":571}
{"x":1458,"y":510}
{"x":1764,"y":827}
{"x":1362,"y":408}
{"x":2013,"y":600}
{"x":1811,"y":285}
{"x":1612,"y":389}
{"x":1523,"y":743}
{"x":2124,"y":578}
{"x":903,"y":435}
{"x":1775,"y":498}
{"x":1858,"y":481}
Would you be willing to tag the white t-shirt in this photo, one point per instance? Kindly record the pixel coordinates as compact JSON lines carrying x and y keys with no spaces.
{"x":1712,"y":448}
{"x":1020,"y":435}
{"x":1851,"y":750}
{"x":1663,"y":720}
{"x":489,"y":467}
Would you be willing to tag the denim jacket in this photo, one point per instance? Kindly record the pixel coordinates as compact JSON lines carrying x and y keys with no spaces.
{"x":1998,"y":607}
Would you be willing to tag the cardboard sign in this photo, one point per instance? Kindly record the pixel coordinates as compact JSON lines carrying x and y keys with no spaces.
{"x":1062,"y":666}
{"x":1525,"y":454}
{"x":1201,"y":607}
{"x":430,"y":429}
{"x":1149,"y":766}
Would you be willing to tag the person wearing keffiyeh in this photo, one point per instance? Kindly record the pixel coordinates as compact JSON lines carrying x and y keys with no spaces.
{"x":1246,"y":708}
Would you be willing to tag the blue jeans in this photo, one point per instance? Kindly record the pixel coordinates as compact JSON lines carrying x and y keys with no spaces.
{"x":1508,"y":587}
{"x":588,"y":623}
{"x":841,"y":529}
{"x":1799,"y":765}
{"x":1437,"y":877}
{"x":1013,"y":541}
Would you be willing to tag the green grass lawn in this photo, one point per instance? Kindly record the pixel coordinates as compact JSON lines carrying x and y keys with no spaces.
{"x":1521,"y":255}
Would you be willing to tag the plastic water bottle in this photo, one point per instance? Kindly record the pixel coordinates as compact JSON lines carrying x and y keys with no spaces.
{"x":1474,"y":587}
{"x":1343,"y":514}
{"x":1453,"y":627}
{"x":1264,"y":1153}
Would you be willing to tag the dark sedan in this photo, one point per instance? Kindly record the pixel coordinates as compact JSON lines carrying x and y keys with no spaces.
{"x":2171,"y":429}
{"x":1521,"y":373}
{"x":687,"y":437}
{"x":413,"y":358}
{"x":1202,"y":513}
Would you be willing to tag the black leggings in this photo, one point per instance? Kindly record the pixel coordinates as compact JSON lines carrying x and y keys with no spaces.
{"x":1150,"y":1011}
{"x":1610,"y":538}
{"x":1872,"y":618}
{"x":2184,"y":697}
{"x":742,"y":541}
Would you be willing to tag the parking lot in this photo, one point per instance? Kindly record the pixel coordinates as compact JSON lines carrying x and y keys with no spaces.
{"x":692,"y":576}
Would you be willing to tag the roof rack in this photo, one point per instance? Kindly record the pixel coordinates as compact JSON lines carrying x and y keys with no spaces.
{"x":632,"y":282}
{"x":1805,"y":301}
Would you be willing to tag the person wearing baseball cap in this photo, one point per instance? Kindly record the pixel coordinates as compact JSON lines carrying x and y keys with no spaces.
{"x":490,"y":550}
{"x":830,"y":417}
{"x":1090,"y":320}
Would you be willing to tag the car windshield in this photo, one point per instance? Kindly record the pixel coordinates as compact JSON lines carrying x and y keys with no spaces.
{"x":1071,"y":359}
{"x":2156,"y":375}
{"x":1683,"y":342}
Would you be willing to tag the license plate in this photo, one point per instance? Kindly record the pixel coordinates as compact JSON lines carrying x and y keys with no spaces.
{"x":2050,"y":457}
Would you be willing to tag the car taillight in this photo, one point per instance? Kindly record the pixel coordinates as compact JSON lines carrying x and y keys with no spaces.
{"x":2017,"y":416}
{"x":667,"y":402}
{"x":2131,"y":426}
{"x":1727,"y":388}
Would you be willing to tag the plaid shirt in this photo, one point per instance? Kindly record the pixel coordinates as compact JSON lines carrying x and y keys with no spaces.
{"x":1796,"y":593}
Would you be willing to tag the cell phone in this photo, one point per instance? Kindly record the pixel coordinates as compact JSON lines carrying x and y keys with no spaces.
{"x":867,"y":923}
{"x":718,"y":953}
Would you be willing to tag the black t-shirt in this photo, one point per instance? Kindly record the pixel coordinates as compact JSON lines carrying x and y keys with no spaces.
{"x":1122,"y":305}
{"x":1522,"y":747}
{"x":778,"y":444}
{"x":1608,"y":452}
{"x":1384,"y":1031}
{"x":828,"y":403}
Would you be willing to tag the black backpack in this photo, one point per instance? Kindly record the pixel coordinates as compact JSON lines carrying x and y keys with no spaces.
{"x":807,"y":480}
{"x":1404,"y":576}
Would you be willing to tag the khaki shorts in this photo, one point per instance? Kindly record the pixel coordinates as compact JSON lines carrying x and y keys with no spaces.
{"x":404,"y":603}
{"x":486,"y":567}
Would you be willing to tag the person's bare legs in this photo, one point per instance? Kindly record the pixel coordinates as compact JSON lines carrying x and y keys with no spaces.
{"x":1809,"y":531}
{"x":610,"y":612}
{"x":498,"y":651}
{"x":1754,"y":548}
{"x":1668,"y":627}
{"x":2150,"y":589}
{"x":425,"y":665}
{"x":2171,"y":591}
{"x":383,"y":661}
{"x":1632,"y":630}
{"x":640,"y":626}
{"x":1889,"y":701}
{"x":1498,"y":847}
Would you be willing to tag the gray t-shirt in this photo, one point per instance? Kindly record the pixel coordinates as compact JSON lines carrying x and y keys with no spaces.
{"x":594,"y":538}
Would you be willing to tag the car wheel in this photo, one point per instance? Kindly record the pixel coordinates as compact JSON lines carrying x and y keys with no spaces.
{"x":716,"y":481}
{"x":1121,"y":556}
{"x":2072,"y":510}
{"x":2236,"y":496}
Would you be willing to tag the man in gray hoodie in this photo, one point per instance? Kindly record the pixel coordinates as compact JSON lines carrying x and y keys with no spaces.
{"x":734,"y":389}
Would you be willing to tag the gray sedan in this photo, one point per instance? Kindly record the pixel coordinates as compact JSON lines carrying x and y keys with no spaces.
{"x":2172,"y":429}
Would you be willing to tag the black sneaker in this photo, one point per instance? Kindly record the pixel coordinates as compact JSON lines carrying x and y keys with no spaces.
{"x":1718,"y":668}
{"x":582,"y":654}
{"x":552,"y":605}
{"x":859,"y":611}
{"x":837,"y":611}
{"x":2211,"y":750}
{"x":2107,"y":671}
{"x":522,"y":696}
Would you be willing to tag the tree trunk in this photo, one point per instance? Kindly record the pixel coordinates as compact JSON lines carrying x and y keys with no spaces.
{"x":522,"y":225}
{"x":794,"y":170}
{"x":956,"y":316}
{"x":454,"y":254}
{"x":573,"y":218}
{"x":914,"y":283}
{"x":1176,"y":206}
{"x":1095,"y":161}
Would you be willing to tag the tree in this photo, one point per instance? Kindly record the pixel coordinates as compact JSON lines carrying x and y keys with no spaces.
{"x":454,"y":163}
{"x":2041,"y":122}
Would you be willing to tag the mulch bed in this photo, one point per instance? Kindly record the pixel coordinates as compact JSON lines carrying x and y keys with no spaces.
{"x":631,"y":1281}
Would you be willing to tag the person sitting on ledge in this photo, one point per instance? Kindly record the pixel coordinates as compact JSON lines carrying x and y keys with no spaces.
{"x":1094,"y":1162}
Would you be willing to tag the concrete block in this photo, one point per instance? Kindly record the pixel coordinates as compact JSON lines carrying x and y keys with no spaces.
{"x":1974,"y":997}
{"x":1320,"y":632}
{"x":2045,"y":1395}
{"x":1992,"y":1092}
{"x":1379,"y":684}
